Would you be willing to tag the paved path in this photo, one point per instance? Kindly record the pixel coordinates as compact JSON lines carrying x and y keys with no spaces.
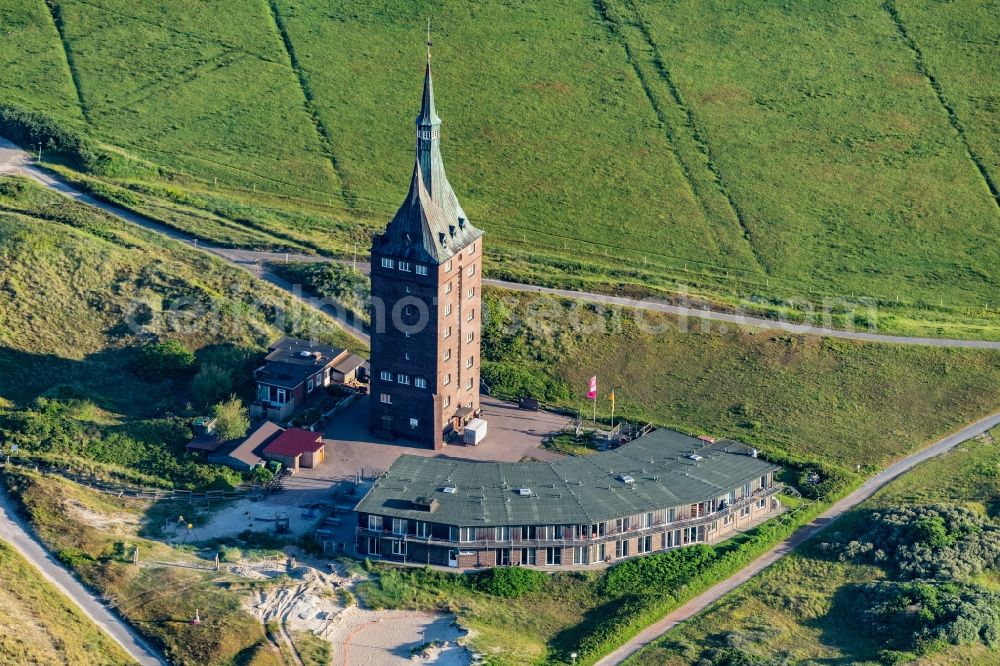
{"x":867,"y":489}
{"x":15,"y":160}
{"x":14,"y":532}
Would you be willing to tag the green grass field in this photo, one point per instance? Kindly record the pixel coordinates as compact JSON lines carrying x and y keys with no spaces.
{"x":813,"y":398}
{"x":40,"y":626}
{"x":616,"y":144}
{"x":785,"y":614}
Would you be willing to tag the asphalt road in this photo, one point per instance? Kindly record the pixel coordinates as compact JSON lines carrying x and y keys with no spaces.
{"x":866,"y":490}
{"x":13,"y":159}
{"x":14,"y":532}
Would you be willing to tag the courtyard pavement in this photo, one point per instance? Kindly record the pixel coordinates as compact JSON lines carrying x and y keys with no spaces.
{"x":513,"y":434}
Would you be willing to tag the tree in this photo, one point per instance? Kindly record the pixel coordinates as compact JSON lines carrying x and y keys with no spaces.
{"x":211,"y":384}
{"x":164,"y":360}
{"x":232,"y":420}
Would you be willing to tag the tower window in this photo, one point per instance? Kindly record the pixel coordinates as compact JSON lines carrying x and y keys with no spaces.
{"x":421,"y":269}
{"x":447,"y":309}
{"x":447,"y":288}
{"x":447,"y":267}
{"x":386,"y":399}
{"x":472,"y":249}
{"x":404,"y":266}
{"x":470,"y":337}
{"x":387,"y":262}
{"x":447,"y":332}
{"x":468,"y":383}
{"x":472,"y":292}
{"x":470,"y":316}
{"x":447,"y":379}
{"x":447,"y":401}
{"x":470,"y":362}
{"x":403,"y":379}
{"x":386,"y":375}
{"x":447,"y":354}
{"x":420,"y":382}
{"x":472,"y":270}
{"x":414,"y":423}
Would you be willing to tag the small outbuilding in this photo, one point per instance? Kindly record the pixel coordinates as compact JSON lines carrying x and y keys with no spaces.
{"x":296,"y":448}
{"x":244,"y":455}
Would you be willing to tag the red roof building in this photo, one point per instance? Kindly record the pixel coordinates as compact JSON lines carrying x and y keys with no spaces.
{"x":296,"y":448}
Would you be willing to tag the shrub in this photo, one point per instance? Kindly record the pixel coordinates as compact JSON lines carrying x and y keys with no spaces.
{"x":937,"y":541}
{"x":657,"y":574}
{"x":211,"y":384}
{"x":232,"y":420}
{"x":162,"y":360}
{"x":510,"y":582}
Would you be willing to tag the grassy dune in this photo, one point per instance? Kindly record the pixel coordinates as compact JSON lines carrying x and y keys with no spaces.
{"x":40,"y":626}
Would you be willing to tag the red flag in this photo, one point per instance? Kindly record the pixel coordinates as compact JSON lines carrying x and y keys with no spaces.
{"x":592,"y":389}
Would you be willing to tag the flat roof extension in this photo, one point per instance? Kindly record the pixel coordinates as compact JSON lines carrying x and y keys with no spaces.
{"x":662,"y":469}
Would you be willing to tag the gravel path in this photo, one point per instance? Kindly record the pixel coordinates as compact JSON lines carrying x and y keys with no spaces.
{"x":866,"y":490}
{"x":15,"y":160}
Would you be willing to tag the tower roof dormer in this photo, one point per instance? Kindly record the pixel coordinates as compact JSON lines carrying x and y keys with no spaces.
{"x":430,"y":225}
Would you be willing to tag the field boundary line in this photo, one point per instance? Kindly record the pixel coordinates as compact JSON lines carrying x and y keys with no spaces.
{"x":310,"y":105}
{"x":55,"y":13}
{"x":921,"y":64}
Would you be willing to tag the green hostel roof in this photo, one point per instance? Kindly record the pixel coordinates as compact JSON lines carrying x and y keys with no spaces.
{"x":660,"y":470}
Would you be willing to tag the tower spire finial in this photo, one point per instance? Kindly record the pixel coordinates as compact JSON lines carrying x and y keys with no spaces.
{"x":428,"y":39}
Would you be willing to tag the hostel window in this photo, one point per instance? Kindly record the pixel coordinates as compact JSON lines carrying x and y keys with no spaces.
{"x":404,"y":266}
{"x":421,"y":269}
{"x":374,"y":522}
{"x":761,"y":503}
{"x":387,"y":262}
{"x":403,"y":379}
{"x":502,"y":557}
{"x":386,"y":375}
{"x":745,"y":511}
{"x":399,"y":526}
{"x":310,"y":385}
{"x":281,"y":396}
{"x":374,"y":546}
{"x":621,"y":549}
{"x":386,"y":399}
{"x":553,"y":556}
{"x":398,"y":547}
{"x":746,"y":490}
{"x":466,"y":534}
{"x":528,"y":556}
{"x":645,"y":544}
{"x":420,"y":382}
{"x":422,"y":529}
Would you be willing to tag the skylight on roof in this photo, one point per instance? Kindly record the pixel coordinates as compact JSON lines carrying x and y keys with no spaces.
{"x":451,"y":490}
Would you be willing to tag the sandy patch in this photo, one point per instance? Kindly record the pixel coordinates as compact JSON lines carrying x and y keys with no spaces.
{"x":256,"y":515}
{"x":103,"y":521}
{"x":310,"y":602}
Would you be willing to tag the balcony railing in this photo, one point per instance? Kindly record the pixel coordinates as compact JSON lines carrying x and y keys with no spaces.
{"x":580,"y":540}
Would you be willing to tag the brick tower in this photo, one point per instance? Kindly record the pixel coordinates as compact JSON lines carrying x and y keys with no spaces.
{"x":426,"y":303}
